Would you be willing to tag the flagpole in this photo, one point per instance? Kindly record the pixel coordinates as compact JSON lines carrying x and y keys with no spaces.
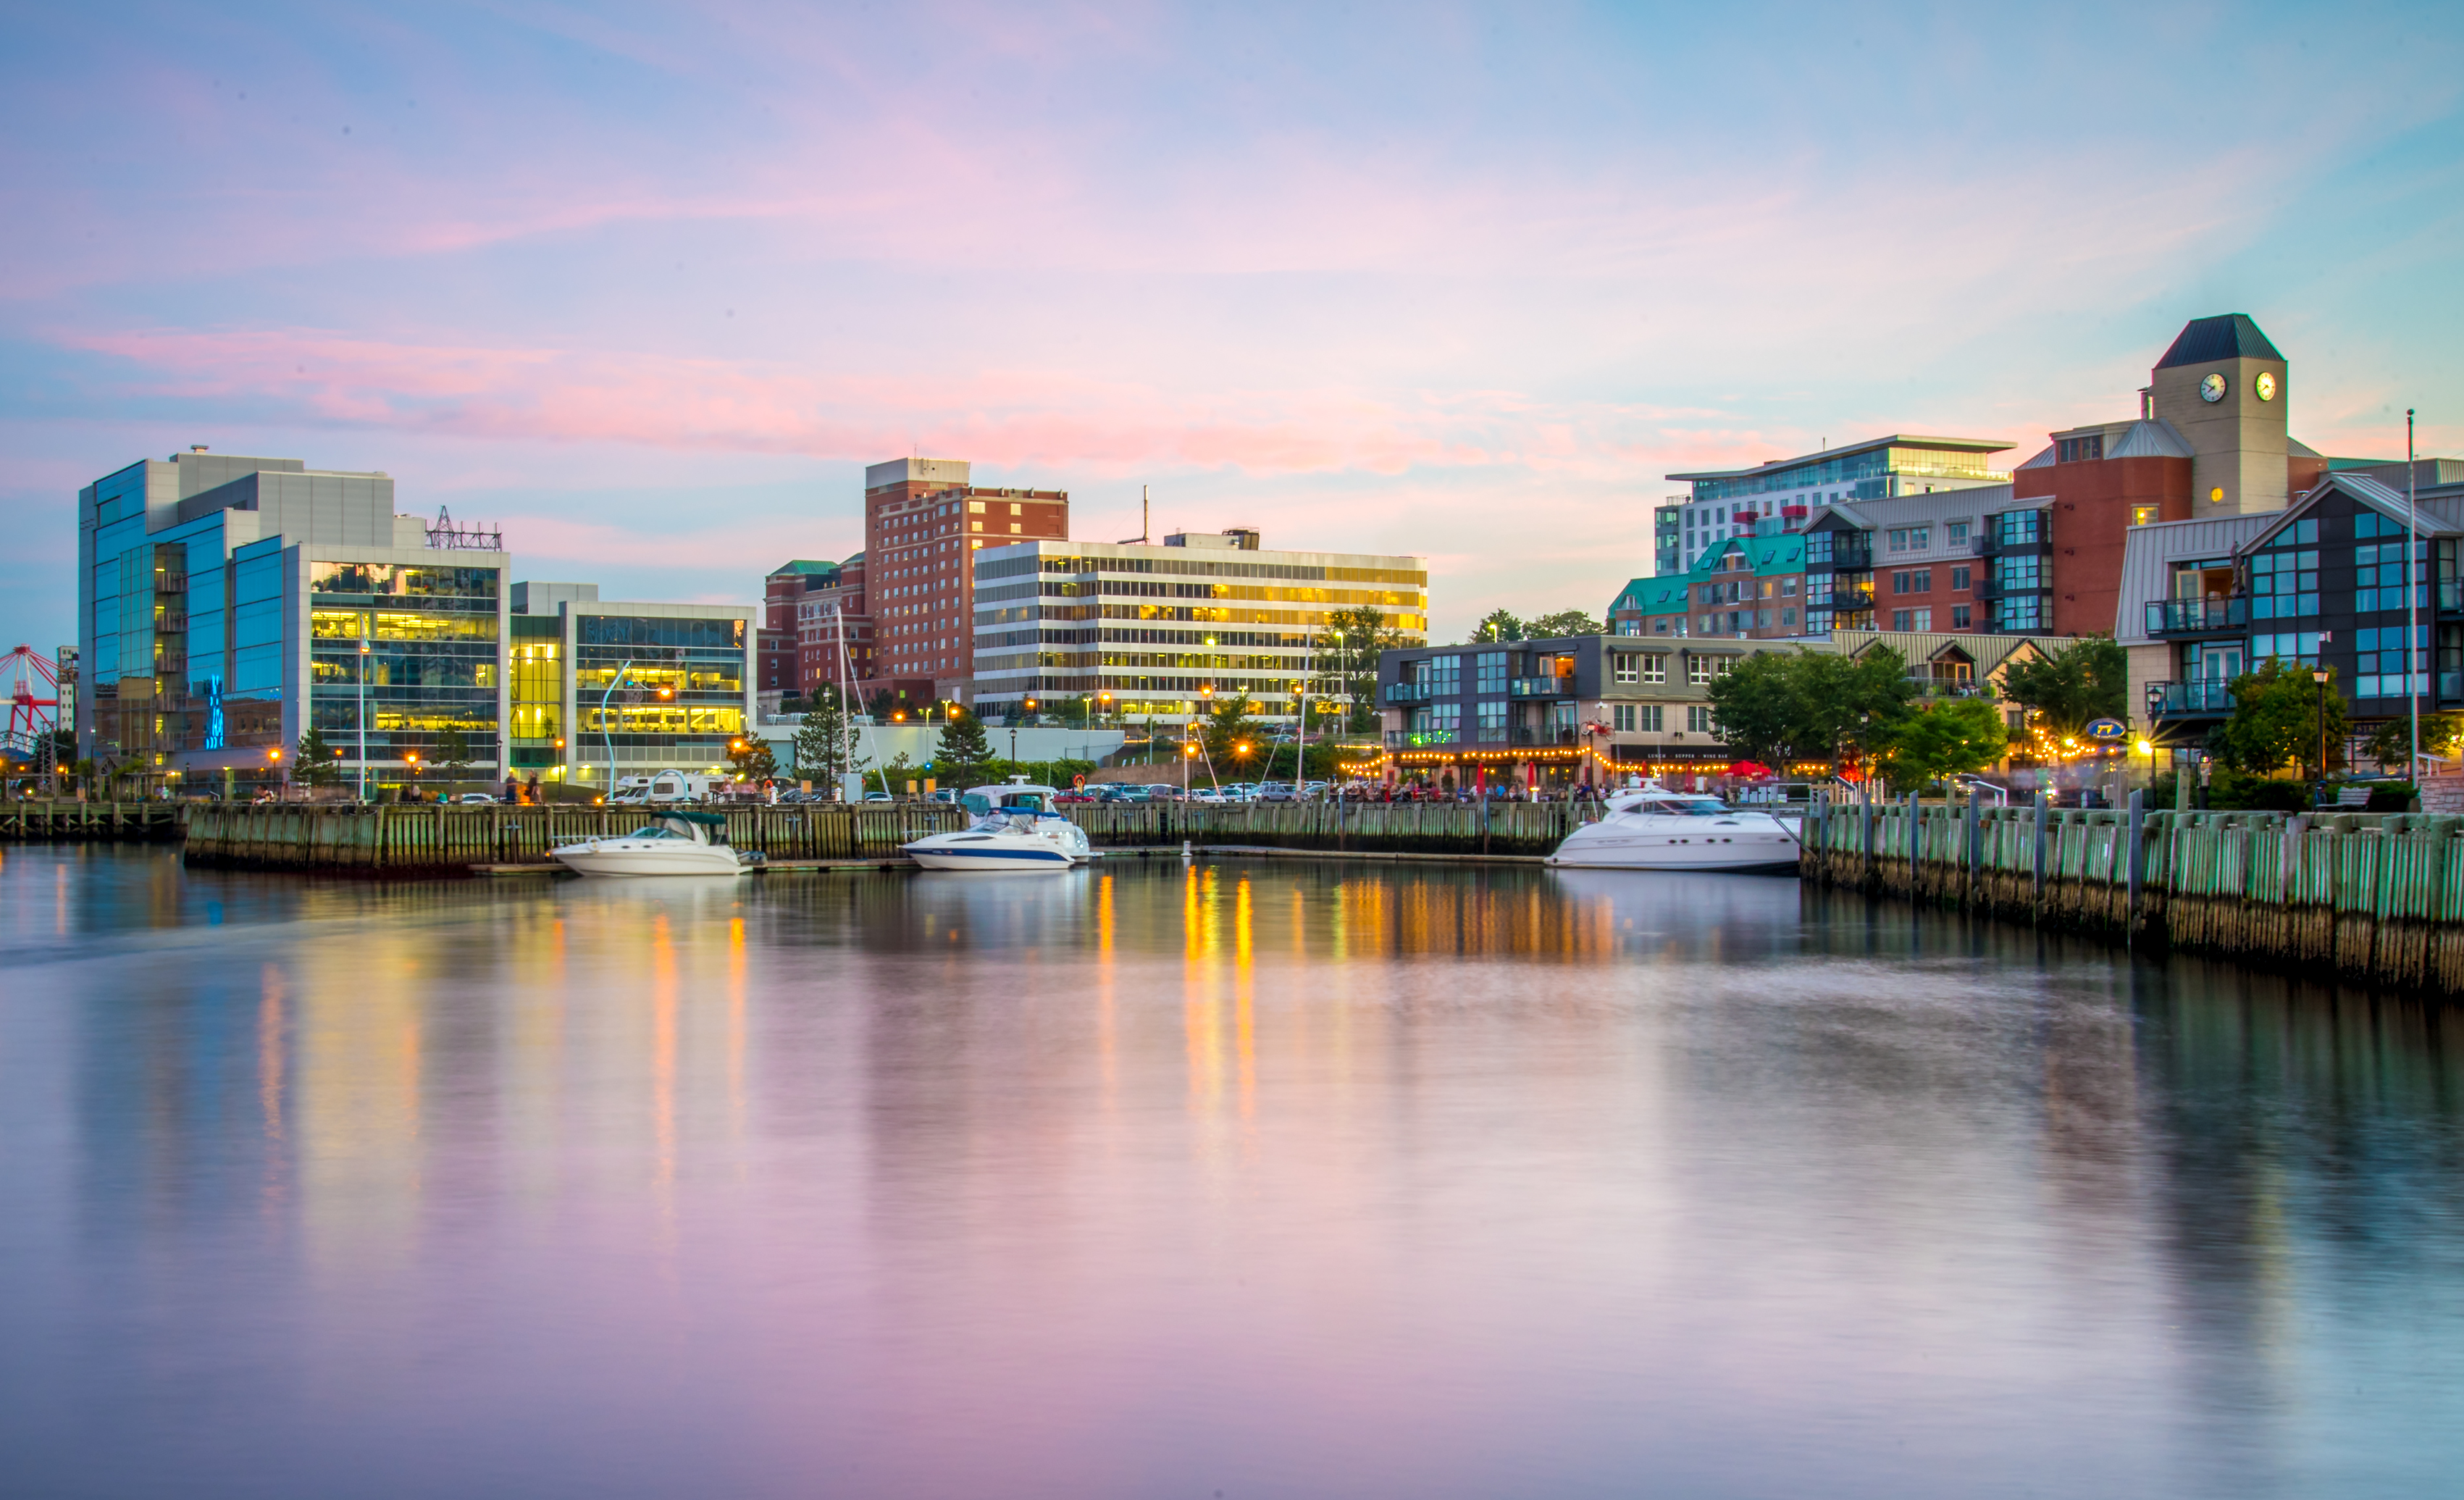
{"x":2412,"y":595}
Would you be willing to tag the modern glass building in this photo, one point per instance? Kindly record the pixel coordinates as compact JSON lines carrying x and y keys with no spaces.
{"x":645,"y":687}
{"x":1166,"y":631}
{"x":229,"y":603}
{"x":1780,"y":496}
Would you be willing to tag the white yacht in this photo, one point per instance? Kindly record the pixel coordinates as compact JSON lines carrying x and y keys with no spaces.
{"x":1012,"y":829}
{"x":1652,"y":828}
{"x":677,"y":842}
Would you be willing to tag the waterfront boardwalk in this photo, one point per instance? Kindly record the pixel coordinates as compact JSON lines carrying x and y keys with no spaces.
{"x":2373,"y":897}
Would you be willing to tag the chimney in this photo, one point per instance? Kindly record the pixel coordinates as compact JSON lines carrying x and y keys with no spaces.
{"x":2146,"y":402}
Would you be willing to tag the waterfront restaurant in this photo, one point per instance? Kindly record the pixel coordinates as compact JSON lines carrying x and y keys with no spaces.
{"x":1551,"y":713}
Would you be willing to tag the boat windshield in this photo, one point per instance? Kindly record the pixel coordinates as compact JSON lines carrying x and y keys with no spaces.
{"x":1686,"y":807}
{"x":977,"y":803}
{"x":654,"y":831}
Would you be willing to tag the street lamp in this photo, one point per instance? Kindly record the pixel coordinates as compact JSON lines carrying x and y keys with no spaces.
{"x":2320,"y":677}
{"x":363,"y":709}
{"x":273,"y":757}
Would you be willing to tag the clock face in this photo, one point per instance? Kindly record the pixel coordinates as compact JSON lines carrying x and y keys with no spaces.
{"x":2265,"y":386}
{"x":2214,"y":387}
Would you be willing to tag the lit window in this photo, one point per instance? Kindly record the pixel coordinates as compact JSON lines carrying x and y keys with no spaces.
{"x":2143,"y":514}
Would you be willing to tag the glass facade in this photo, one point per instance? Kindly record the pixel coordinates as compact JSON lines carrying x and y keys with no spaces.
{"x":657,"y":690}
{"x":430,"y":670}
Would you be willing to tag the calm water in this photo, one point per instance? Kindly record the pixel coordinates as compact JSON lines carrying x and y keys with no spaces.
{"x":1255,"y":1180}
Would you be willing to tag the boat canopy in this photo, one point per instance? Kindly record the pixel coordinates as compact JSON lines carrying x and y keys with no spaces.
{"x":707,"y":820}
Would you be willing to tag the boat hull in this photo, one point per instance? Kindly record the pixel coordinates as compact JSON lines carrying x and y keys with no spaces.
{"x":615,"y":859}
{"x":1743,"y":852}
{"x":992,"y":862}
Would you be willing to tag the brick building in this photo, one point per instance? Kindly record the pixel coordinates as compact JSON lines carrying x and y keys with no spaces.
{"x":924,"y":521}
{"x":783,"y":590}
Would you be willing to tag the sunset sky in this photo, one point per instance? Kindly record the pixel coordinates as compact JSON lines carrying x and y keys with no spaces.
{"x":649,"y":284}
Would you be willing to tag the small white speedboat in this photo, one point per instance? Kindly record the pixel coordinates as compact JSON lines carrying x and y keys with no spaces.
{"x":677,"y":842}
{"x":1652,"y":828}
{"x":1012,"y":829}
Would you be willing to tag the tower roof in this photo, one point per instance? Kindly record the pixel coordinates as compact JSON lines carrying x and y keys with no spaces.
{"x":2230,"y":336}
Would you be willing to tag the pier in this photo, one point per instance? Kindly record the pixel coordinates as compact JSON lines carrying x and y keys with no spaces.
{"x":59,"y":821}
{"x":439,"y":840}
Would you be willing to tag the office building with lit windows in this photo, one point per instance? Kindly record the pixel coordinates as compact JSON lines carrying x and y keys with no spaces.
{"x":226,"y":604}
{"x":925,"y":522}
{"x":1167,"y":630}
{"x":641,"y":687}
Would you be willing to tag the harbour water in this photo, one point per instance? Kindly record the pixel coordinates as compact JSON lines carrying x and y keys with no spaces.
{"x":1281,"y":1178}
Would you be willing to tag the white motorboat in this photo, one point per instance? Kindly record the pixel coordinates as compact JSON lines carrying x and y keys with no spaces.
{"x":677,"y":842}
{"x":1652,"y":828}
{"x":1012,"y":829}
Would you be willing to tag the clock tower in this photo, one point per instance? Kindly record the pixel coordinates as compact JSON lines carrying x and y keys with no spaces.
{"x":2222,"y":385}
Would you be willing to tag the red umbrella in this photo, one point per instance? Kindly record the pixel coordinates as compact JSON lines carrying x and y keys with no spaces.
{"x":1749,"y":770}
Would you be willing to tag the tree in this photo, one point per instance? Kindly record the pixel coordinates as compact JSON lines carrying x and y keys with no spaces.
{"x":2276,"y":719}
{"x":1497,"y":625}
{"x":453,"y":752}
{"x":880,"y":705}
{"x":2392,"y":744}
{"x":315,"y":765}
{"x":1565,"y":622}
{"x":821,"y":748}
{"x":1227,"y":728}
{"x":1781,"y":706}
{"x":750,"y":757}
{"x":1347,"y":661}
{"x":2088,"y":679}
{"x":1945,"y":739}
{"x":963,"y":755}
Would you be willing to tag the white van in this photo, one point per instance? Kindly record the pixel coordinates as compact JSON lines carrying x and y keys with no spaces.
{"x":662,"y":787}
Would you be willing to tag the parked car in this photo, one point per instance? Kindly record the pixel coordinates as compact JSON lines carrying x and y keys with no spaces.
{"x":1277,"y":791}
{"x":879,"y":797}
{"x":1210,"y":796}
{"x":1078,"y":797}
{"x":475,"y":800}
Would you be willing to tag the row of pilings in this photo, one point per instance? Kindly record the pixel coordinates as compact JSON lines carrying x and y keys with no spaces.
{"x":2377,"y":898}
{"x":71,"y":820}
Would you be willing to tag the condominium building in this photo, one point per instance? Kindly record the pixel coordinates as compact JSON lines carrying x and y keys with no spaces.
{"x":1167,"y":630}
{"x":924,"y":522}
{"x":778,"y":641}
{"x":1780,"y":496}
{"x":834,"y":629}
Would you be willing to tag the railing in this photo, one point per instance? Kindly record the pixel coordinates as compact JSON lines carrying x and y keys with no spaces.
{"x":2196,"y":616}
{"x":1494,"y":827}
{"x":2201,"y":696}
{"x":1541,"y":688}
{"x":1842,"y":599}
{"x":444,"y":840}
{"x":1524,"y":735}
{"x":1408,"y":691}
{"x":1420,"y":739}
{"x":171,"y":583}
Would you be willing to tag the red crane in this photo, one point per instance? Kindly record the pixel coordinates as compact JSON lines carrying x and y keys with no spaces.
{"x":27,"y":672}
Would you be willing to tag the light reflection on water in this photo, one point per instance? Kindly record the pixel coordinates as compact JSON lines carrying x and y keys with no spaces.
{"x":1272,"y":1180}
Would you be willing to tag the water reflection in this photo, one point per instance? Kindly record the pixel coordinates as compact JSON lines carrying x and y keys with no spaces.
{"x":1278,"y":1178}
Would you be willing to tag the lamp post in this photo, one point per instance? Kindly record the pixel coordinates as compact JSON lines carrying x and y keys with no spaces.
{"x":363,"y":709}
{"x":606,"y":738}
{"x":273,"y":759}
{"x":2320,"y":677}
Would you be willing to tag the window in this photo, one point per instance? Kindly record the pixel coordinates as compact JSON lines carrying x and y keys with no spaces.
{"x":1489,"y":673}
{"x":1647,"y":719}
{"x":1920,"y":538}
{"x":1788,"y":587}
{"x":2145,"y":515}
{"x":1917,"y":582}
{"x":1017,"y":510}
{"x":2020,"y":612}
{"x":2079,"y":449}
{"x":2024,"y":571}
{"x":1960,"y":617}
{"x":1698,"y":719}
{"x":1903,"y":619}
{"x":1959,"y":577}
{"x":2378,"y":573}
{"x":1762,"y":619}
{"x":1925,"y":618}
{"x":1817,"y":546}
{"x":975,"y":507}
{"x":2284,"y":584}
{"x":2018,"y":528}
{"x":2378,"y":663}
{"x":1954,"y":534}
{"x":1492,"y":721}
{"x":1898,"y":540}
{"x":1436,"y":724}
{"x":1628,"y":666}
{"x":1655,"y":669}
{"x":1699,"y":671}
{"x":1621,"y":717}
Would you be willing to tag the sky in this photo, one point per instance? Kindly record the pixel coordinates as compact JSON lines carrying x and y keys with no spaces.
{"x":648,"y":285}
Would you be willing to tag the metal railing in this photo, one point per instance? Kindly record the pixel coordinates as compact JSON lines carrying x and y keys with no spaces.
{"x":1542,"y":687}
{"x":1408,"y":691}
{"x":2197,"y":616}
{"x":2200,"y":696}
{"x":1422,"y":738}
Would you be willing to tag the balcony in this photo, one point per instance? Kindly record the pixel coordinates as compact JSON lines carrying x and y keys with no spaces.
{"x":1846,"y":557}
{"x":1545,"y":737}
{"x":2450,"y":595}
{"x":1409,"y":692}
{"x":2205,"y":695}
{"x":1841,"y":598}
{"x":2198,"y":616}
{"x":166,"y":582}
{"x":1420,"y":739}
{"x":1794,"y":512}
{"x":1542,"y":687}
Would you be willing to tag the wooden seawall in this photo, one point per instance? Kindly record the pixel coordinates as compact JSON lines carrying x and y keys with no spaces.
{"x":388,"y":840}
{"x":1527,"y":830}
{"x":69,"y":821}
{"x":2377,"y":898}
